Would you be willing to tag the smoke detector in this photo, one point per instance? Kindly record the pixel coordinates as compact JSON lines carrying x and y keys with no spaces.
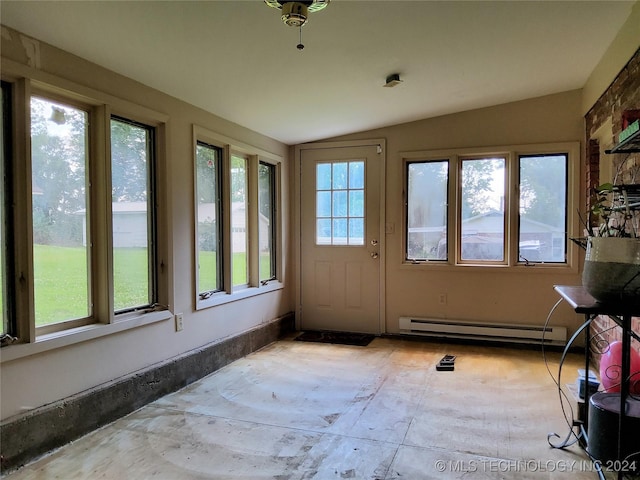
{"x":295,"y":14}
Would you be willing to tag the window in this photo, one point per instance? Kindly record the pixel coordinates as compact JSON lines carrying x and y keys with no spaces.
{"x":482,"y":225}
{"x":543,"y":208}
{"x":83,"y":234}
{"x":267,"y":220}
{"x":340,"y":203}
{"x":209,"y":219}
{"x":68,"y":227}
{"x":492,"y":227}
{"x":239,"y":217}
{"x":133,"y":234}
{"x":60,"y":224}
{"x":427,"y":184}
{"x":238,"y":229}
{"x":6,"y":242}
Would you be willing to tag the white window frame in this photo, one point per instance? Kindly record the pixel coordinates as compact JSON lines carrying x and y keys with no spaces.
{"x":512,"y":154}
{"x":254,"y":156}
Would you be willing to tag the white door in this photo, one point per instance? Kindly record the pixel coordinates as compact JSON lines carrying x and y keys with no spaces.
{"x":340,"y":238}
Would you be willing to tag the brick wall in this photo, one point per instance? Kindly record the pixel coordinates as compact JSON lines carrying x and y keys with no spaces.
{"x":620,"y":104}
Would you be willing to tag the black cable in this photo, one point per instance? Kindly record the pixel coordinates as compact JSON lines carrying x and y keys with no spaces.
{"x":564,"y":399}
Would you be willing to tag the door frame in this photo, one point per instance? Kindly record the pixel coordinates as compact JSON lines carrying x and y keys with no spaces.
{"x":297,"y":222}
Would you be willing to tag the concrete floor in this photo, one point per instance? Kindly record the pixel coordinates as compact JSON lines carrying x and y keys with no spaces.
{"x":297,"y":410}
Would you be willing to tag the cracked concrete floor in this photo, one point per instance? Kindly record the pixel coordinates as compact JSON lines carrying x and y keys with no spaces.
{"x":297,"y":410}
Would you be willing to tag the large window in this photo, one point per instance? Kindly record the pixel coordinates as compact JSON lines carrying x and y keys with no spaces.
{"x":60,"y":224}
{"x":6,"y":254}
{"x":64,"y":220}
{"x":209,"y":219}
{"x":133,"y":232}
{"x":239,"y":219}
{"x":427,"y":184}
{"x":267,"y":188}
{"x":78,"y":217}
{"x":238,"y":227}
{"x":482,"y":196}
{"x":543,"y":208}
{"x":491,"y":225}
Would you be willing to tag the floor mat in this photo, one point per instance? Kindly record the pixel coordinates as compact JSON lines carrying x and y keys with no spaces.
{"x":342,"y":338}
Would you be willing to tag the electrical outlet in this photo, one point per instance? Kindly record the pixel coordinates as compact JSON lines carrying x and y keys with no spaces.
{"x":179,"y":324}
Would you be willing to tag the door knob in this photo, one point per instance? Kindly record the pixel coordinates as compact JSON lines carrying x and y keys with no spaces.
{"x":374,"y":254}
{"x":374,"y":242}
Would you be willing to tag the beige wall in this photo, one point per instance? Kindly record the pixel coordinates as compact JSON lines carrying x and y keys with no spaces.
{"x":506,"y":295}
{"x":38,"y":379}
{"x":623,"y":47}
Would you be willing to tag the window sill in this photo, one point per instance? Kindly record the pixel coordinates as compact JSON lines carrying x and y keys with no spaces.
{"x":556,"y":268}
{"x":52,"y":341}
{"x":220,"y":298}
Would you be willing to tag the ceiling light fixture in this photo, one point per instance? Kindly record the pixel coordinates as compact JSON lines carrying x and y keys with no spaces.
{"x":296,"y":14}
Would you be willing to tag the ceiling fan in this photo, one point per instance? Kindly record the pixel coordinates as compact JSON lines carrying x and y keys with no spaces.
{"x":295,"y":14}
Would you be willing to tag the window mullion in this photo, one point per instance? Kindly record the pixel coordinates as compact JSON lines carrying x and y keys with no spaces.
{"x":101,"y":217}
{"x":512,"y":208}
{"x":454,"y":235}
{"x":22,"y":212}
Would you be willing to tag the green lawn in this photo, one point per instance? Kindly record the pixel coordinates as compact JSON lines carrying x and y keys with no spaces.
{"x":207,"y":260}
{"x":60,"y":283}
{"x":60,"y":280}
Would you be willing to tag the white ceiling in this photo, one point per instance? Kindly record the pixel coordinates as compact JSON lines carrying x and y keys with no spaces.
{"x":238,"y":60}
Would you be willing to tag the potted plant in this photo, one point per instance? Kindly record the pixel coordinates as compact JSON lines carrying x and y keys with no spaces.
{"x":612,"y":263}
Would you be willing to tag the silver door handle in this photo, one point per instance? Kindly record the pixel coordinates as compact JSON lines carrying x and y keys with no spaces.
{"x":374,"y":242}
{"x":374,"y":254}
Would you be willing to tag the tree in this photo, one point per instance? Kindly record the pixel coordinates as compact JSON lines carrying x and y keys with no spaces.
{"x":478,"y":195}
{"x":58,"y":164}
{"x":543,"y":188}
{"x":130,"y":147}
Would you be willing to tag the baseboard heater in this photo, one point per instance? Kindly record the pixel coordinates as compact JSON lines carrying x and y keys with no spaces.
{"x":499,"y":332}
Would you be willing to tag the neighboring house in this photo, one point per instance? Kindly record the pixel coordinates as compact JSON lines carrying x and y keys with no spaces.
{"x":130,"y":224}
{"x":483,"y":237}
{"x":207,"y":214}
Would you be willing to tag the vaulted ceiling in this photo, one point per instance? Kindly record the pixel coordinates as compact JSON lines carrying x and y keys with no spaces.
{"x":238,"y":60}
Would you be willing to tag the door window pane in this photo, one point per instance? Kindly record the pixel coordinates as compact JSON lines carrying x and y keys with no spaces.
{"x":209,"y":224}
{"x":323,"y":176}
{"x":339,"y":177}
{"x":59,"y":156}
{"x":323,"y":204}
{"x":356,"y":203}
{"x":131,"y":161}
{"x":482,"y":202}
{"x":340,"y":203}
{"x":542,"y":207}
{"x":356,"y":174}
{"x":427,"y":210}
{"x":267,"y":220}
{"x":239,"y":220}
